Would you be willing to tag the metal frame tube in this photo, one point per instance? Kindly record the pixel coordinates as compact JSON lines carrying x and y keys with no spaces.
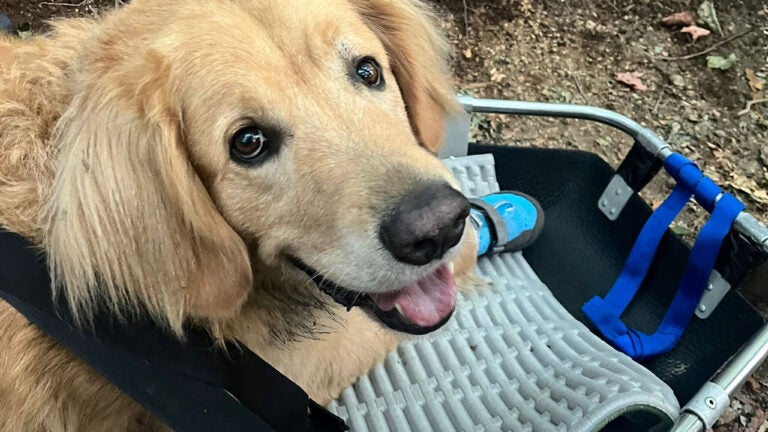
{"x":745,"y":224}
{"x":732,"y":375}
{"x":583,"y":112}
{"x":746,"y":361}
{"x":688,"y":423}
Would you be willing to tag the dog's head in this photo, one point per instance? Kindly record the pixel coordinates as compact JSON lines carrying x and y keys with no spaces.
{"x":207,"y":141}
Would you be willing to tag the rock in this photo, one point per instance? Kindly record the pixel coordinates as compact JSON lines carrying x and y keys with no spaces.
{"x":748,"y":408}
{"x":703,"y":129}
{"x":750,"y":169}
{"x":677,"y":80}
{"x":675,"y":128}
{"x":764,"y":155}
{"x":728,"y":416}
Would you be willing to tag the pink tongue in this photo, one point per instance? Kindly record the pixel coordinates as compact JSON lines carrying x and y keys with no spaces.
{"x":425,"y":302}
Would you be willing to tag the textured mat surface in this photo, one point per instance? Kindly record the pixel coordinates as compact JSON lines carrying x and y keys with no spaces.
{"x":512,"y":359}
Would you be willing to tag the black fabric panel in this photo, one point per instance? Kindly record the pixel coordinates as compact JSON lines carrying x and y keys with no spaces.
{"x":639,"y":167}
{"x":580,"y":254}
{"x":739,"y":255}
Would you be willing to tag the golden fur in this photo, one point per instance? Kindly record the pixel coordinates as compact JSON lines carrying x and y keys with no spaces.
{"x":114,"y":160}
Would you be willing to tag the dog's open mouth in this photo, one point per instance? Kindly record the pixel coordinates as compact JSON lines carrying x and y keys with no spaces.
{"x":416,"y":308}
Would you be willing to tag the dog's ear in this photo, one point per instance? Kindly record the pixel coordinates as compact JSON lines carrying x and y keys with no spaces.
{"x":128,"y":220}
{"x":418,"y":54}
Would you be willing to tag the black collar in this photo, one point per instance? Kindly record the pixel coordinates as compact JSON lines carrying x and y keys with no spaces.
{"x":189,"y":386}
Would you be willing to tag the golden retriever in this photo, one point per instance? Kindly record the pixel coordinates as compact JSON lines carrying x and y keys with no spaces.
{"x":207,"y":161}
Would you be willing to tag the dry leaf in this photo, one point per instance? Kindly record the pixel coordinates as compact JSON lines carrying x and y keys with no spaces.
{"x":681,"y":230}
{"x":708,"y":14}
{"x":755,"y":84}
{"x":749,"y":187}
{"x":722,"y":63}
{"x":467,"y":53}
{"x":497,"y":76}
{"x":754,"y":423}
{"x":695,"y":31}
{"x":632,"y":80}
{"x":678,"y":19}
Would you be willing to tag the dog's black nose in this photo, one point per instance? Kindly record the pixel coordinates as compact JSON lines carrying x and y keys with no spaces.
{"x":425,"y":224}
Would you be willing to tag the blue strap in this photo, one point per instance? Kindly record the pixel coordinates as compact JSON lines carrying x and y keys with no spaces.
{"x":642,"y":253}
{"x":644,"y":250}
{"x":700,"y":265}
{"x":605,"y":313}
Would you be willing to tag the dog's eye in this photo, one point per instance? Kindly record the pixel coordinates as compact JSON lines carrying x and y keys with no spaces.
{"x":369,"y":72}
{"x":249,"y":143}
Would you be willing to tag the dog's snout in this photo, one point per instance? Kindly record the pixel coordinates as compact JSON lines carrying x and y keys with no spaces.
{"x":425,"y":224}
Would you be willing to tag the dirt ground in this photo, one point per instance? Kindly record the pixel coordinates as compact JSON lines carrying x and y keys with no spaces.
{"x":571,"y":51}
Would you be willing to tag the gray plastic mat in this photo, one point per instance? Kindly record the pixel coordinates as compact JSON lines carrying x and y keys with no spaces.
{"x":511,"y":359}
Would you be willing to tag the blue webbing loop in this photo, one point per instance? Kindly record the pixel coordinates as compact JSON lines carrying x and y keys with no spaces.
{"x":606,"y":313}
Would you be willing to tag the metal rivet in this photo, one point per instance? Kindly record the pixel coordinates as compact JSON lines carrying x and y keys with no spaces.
{"x":604,"y":203}
{"x":702,"y":308}
{"x":710,"y":287}
{"x":613,"y":211}
{"x":618,"y":192}
{"x":711,"y":403}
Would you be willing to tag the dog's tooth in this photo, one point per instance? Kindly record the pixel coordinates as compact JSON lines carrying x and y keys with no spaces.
{"x":451,"y":267}
{"x":399,"y":309}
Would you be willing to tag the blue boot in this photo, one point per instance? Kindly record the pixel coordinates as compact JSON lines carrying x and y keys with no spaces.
{"x":506,"y":221}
